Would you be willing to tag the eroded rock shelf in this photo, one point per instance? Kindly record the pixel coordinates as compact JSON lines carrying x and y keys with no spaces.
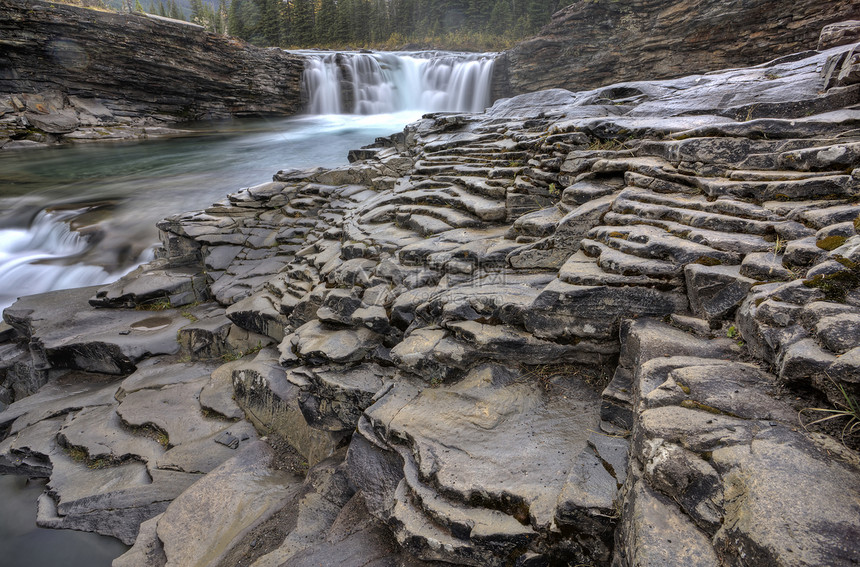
{"x":577,"y":329}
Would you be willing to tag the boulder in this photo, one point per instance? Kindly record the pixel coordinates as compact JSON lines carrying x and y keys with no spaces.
{"x":840,"y":33}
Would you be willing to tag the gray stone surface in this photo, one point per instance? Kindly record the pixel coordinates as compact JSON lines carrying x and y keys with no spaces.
{"x":147,"y":549}
{"x":156,"y":373}
{"x":765,"y":266}
{"x":655,"y":532}
{"x":714,"y":448}
{"x":71,"y":392}
{"x":527,"y":482}
{"x":270,"y":400}
{"x":217,"y":393}
{"x":491,"y":314}
{"x":173,"y":409}
{"x":205,"y":522}
{"x":758,"y":480}
{"x":112,"y":501}
{"x":325,"y":492}
{"x":100,"y":432}
{"x":205,"y":454}
{"x":716,"y":291}
{"x":64,"y":334}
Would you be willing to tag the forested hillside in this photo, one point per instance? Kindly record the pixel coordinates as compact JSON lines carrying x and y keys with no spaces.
{"x":476,"y":24}
{"x":382,"y":24}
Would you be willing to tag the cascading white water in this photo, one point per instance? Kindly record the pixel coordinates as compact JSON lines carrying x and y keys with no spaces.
{"x":321,"y":82}
{"x":35,"y":260}
{"x":383,"y":83}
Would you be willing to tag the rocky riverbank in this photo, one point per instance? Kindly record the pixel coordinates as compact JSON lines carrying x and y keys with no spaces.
{"x":72,"y":74}
{"x":597,"y":42}
{"x":580,"y":328}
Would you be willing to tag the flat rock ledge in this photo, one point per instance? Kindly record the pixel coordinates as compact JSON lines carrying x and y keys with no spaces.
{"x":586,"y":328}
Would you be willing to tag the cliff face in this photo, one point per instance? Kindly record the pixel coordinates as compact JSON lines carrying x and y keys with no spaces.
{"x":137,"y":66}
{"x":596,"y":42}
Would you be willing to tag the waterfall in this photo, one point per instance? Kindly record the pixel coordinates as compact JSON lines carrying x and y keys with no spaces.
{"x":382,"y":83}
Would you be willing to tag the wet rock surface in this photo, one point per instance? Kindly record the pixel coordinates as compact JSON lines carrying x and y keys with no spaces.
{"x":559,"y":332}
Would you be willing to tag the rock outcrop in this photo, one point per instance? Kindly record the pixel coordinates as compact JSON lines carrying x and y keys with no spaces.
{"x":580,"y":328}
{"x":74,"y":74}
{"x":593,"y":43}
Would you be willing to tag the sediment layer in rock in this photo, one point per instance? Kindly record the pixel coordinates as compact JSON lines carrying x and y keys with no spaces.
{"x":74,"y":74}
{"x":595,"y":43}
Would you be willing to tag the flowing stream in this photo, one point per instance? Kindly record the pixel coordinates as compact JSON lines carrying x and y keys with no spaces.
{"x":85,"y":214}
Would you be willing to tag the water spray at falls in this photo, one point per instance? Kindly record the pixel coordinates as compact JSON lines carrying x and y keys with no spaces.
{"x":383,"y":83}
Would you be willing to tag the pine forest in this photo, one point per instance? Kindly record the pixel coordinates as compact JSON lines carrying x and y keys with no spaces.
{"x":475,"y":25}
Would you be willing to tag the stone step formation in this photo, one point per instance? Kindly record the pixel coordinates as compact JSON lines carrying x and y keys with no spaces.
{"x":574,"y":329}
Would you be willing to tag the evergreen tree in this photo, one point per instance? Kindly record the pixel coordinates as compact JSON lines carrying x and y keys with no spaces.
{"x":325,"y":26}
{"x":287,"y":36}
{"x":501,"y":18}
{"x":343,"y":24}
{"x":453,"y":15}
{"x":221,"y":25}
{"x":302,"y":22}
{"x":137,"y":7}
{"x":174,"y":11}
{"x":539,"y":12}
{"x":378,"y":28}
{"x":478,"y":14}
{"x":196,"y":11}
{"x":400,"y":17}
{"x":234,"y":20}
{"x":270,"y":24}
{"x":428,"y":18}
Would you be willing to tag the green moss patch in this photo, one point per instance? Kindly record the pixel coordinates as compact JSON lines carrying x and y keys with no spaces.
{"x":831,"y":242}
{"x":837,"y":285}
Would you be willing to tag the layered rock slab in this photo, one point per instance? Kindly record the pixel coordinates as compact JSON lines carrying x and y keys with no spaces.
{"x":244,"y":489}
{"x":720,"y":458}
{"x":68,"y":100}
{"x":464,"y":492}
{"x":64,"y":334}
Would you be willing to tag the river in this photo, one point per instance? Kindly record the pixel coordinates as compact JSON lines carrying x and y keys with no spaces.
{"x":85,"y":214}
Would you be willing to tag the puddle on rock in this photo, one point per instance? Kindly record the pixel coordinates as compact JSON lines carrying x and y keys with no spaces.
{"x":152,"y":324}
